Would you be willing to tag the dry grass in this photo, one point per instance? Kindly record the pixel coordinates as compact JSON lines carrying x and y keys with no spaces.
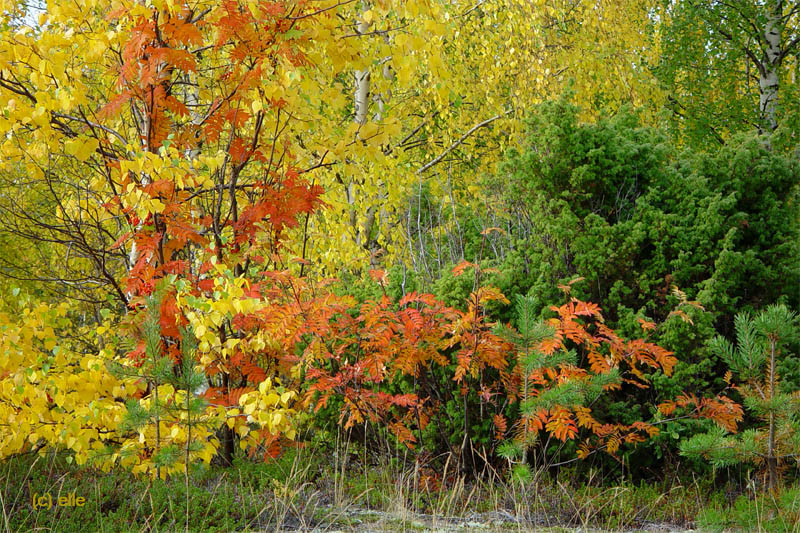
{"x":343,"y":489}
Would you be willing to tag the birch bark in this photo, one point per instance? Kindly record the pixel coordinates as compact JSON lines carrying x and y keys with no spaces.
{"x":768,"y":78}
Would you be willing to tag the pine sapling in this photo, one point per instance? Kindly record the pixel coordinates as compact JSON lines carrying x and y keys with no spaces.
{"x":760,"y":344}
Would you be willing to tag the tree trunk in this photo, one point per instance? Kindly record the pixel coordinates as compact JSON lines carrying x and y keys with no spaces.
{"x":772,"y":461}
{"x":360,"y":107}
{"x":228,"y":438}
{"x":228,"y":446}
{"x":361,"y":102}
{"x":768,"y":77}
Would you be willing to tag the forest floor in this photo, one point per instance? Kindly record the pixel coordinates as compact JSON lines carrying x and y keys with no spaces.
{"x":315,"y":492}
{"x":357,"y":520}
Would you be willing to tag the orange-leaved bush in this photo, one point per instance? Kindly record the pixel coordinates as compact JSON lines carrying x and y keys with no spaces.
{"x":437,"y":375}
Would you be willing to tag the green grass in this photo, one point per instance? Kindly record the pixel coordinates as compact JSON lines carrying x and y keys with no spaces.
{"x":305,"y":490}
{"x":769,"y":513}
{"x":248,"y":496}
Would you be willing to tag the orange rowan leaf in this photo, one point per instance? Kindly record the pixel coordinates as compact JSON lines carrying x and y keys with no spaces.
{"x":683,"y":316}
{"x":583,"y":450}
{"x":461,"y":267}
{"x":646,"y":325}
{"x":486,"y":294}
{"x":566,"y":289}
{"x":612,"y":444}
{"x":561,"y":425}
{"x":487,"y":231}
{"x":588,"y":309}
{"x":550,"y":346}
{"x":379,"y":276}
{"x":585,"y":419}
{"x":501,"y":426}
{"x":403,"y":434}
{"x":598,"y":363}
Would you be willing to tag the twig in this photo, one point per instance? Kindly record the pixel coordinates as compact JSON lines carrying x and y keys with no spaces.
{"x":463,"y":138}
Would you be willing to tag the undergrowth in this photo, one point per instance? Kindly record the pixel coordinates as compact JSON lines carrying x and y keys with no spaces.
{"x":345,"y":490}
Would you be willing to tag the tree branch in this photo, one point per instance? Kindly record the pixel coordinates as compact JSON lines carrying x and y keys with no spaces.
{"x":463,"y":138}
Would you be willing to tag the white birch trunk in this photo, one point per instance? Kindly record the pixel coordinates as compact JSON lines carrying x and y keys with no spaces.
{"x":768,"y":79}
{"x":361,"y":101}
{"x":360,"y":105}
{"x":362,"y":84}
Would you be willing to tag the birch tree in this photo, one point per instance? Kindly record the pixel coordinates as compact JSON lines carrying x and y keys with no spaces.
{"x":440,"y":90}
{"x":731,"y":65}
